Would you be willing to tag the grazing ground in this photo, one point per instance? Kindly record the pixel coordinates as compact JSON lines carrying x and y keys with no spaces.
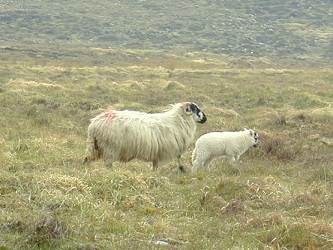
{"x":279,"y":197}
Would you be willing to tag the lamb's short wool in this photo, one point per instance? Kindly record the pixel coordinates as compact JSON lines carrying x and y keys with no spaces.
{"x":156,"y":137}
{"x":222,"y":144}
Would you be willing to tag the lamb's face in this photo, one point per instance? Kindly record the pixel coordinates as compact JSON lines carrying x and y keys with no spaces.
{"x":193,"y":109}
{"x":254,"y":136}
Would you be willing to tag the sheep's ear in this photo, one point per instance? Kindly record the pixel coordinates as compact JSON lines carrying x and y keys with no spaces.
{"x":244,"y":129}
{"x":251,"y":133}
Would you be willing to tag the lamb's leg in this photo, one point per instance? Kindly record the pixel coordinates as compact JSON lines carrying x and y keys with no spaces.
{"x":233,"y":160}
{"x":196,"y":165}
{"x":199,"y":162}
{"x":208,"y":161}
{"x":237,"y":157}
{"x":180,"y":166}
{"x":155,"y":165}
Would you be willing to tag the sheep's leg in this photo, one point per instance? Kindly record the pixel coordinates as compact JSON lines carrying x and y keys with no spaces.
{"x":85,"y":160}
{"x":180,"y":166}
{"x":93,"y":151}
{"x":108,"y":163}
{"x":109,"y":156}
{"x":155,"y":165}
{"x":88,"y":158}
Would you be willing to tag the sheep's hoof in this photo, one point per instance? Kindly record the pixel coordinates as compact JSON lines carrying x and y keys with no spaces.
{"x":108,"y":164}
{"x":85,"y":160}
{"x":182,"y":169}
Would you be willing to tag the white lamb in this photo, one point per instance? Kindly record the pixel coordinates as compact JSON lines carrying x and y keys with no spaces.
{"x":222,"y":144}
{"x":156,"y":137}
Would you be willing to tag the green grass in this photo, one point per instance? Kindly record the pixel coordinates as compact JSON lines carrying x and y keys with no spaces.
{"x":279,"y":196}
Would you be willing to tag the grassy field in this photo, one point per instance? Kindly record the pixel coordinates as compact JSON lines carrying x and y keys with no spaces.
{"x":279,"y":197}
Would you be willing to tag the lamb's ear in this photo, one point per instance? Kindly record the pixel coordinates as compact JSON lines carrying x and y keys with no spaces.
{"x":251,"y":133}
{"x":244,"y":129}
{"x":187,"y":107}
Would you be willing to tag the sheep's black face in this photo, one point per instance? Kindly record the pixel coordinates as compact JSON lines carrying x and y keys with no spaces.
{"x":198,"y":115}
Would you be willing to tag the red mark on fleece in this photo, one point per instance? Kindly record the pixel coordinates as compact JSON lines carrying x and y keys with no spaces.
{"x":109,"y":116}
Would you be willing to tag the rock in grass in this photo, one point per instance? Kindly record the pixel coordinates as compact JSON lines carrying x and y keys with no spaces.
{"x":161,"y":242}
{"x":327,"y":141}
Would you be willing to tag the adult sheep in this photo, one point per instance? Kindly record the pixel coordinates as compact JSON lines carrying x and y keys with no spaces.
{"x":230,"y":145}
{"x":155,"y":137}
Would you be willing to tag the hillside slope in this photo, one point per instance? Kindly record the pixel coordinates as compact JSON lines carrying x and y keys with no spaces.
{"x":286,"y":28}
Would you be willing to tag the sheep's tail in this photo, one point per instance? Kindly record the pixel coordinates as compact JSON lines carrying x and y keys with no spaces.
{"x":93,"y":152}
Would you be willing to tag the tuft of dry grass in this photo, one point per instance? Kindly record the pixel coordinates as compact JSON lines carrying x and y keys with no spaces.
{"x":46,"y":230}
{"x":277,"y":146}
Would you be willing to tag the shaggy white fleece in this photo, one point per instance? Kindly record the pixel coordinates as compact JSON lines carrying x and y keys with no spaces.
{"x":156,"y":137}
